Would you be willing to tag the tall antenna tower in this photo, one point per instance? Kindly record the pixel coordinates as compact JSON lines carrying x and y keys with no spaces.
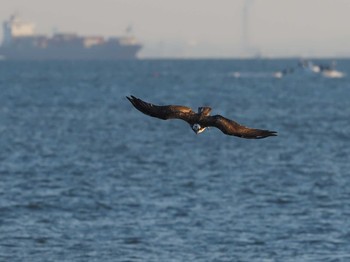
{"x":247,"y":46}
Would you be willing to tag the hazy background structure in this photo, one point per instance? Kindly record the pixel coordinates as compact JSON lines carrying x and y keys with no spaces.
{"x":194,"y":28}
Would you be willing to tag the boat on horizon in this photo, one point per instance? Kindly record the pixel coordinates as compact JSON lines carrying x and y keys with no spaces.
{"x":21,"y":43}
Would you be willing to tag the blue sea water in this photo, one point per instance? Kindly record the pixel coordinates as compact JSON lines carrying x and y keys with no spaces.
{"x":84,"y":176}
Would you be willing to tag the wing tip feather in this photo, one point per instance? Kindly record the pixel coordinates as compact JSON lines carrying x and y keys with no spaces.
{"x":266,"y":133}
{"x":134,"y":100}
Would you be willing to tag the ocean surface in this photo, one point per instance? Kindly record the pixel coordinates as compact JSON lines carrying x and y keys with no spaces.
{"x":84,"y":176}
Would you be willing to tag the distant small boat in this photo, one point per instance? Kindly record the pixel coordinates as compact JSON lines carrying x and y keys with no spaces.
{"x":309,"y":67}
{"x":306,"y":67}
{"x":332,"y":74}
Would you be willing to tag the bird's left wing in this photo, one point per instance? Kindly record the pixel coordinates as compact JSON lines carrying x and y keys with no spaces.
{"x":232,"y":128}
{"x":162,"y":112}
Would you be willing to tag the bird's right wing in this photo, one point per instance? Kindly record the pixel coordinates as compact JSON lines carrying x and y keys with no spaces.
{"x":162,"y":112}
{"x":232,"y":128}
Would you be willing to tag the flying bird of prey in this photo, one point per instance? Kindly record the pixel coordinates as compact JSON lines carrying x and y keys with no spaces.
{"x":199,"y":121}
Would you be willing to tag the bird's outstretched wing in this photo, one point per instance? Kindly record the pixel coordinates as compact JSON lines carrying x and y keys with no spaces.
{"x":232,"y":128}
{"x":162,"y":112}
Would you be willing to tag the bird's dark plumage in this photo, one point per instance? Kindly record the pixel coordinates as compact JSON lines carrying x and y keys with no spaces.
{"x":199,"y":121}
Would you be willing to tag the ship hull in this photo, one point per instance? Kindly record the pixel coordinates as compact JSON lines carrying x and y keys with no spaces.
{"x":61,"y":53}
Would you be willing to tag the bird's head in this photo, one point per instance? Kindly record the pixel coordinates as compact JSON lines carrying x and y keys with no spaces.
{"x":197,"y":128}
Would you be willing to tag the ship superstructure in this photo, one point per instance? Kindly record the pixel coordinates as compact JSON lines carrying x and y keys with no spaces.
{"x":21,"y":43}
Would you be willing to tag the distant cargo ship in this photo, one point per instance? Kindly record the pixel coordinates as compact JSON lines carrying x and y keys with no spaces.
{"x":21,"y":43}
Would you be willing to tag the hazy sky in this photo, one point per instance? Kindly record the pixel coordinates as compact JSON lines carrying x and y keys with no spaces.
{"x":201,"y":28}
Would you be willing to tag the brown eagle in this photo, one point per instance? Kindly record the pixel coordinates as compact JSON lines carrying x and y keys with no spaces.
{"x":199,"y":121}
